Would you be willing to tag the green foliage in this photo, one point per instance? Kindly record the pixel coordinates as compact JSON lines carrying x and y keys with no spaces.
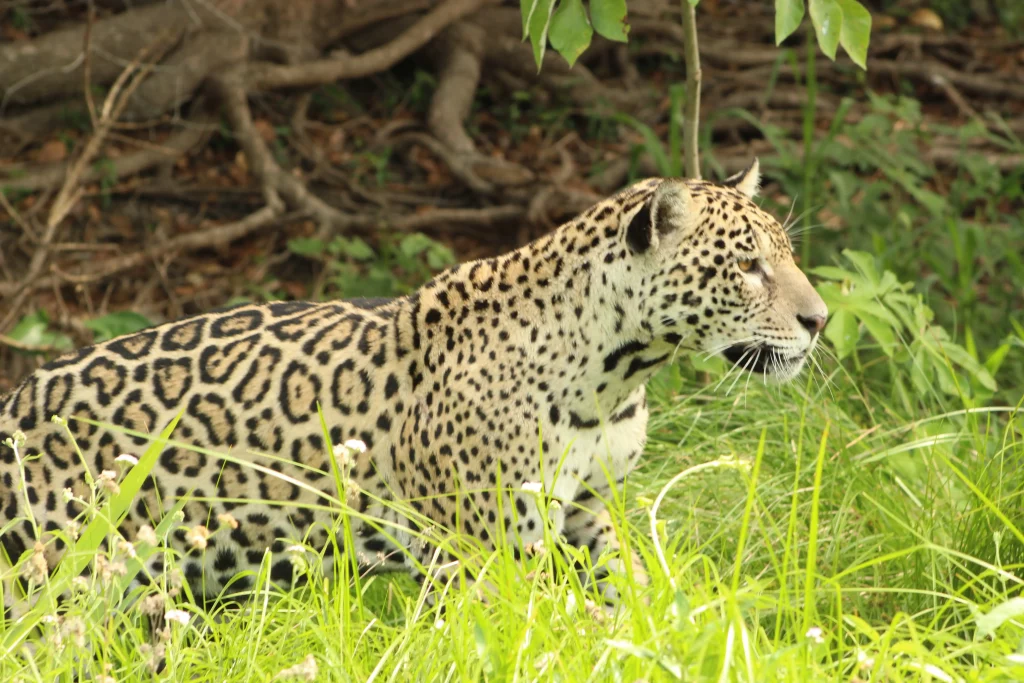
{"x":570,"y":30}
{"x":34,"y":330}
{"x":901,"y":324}
{"x":355,"y":269}
{"x":116,"y":324}
{"x":568,"y":27}
{"x":815,"y":542}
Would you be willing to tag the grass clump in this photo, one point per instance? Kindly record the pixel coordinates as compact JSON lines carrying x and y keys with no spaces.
{"x":822,"y":531}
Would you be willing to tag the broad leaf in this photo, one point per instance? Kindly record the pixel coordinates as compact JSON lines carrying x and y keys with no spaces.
{"x":788,"y":15}
{"x":827,"y":18}
{"x":537,"y":26}
{"x":116,"y":324}
{"x":570,"y":30}
{"x":855,"y":31}
{"x":999,"y":615}
{"x":609,"y":17}
{"x":34,"y":330}
{"x":843,"y":332}
{"x":882,"y":331}
{"x":306,"y":246}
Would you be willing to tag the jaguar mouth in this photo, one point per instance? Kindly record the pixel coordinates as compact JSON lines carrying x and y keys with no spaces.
{"x":762,"y":359}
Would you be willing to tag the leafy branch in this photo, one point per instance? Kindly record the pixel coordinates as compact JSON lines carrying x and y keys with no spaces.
{"x":568,"y":26}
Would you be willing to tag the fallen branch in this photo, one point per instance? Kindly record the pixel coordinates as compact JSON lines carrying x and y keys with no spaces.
{"x":267,"y":76}
{"x":207,"y":239}
{"x":192,"y":133}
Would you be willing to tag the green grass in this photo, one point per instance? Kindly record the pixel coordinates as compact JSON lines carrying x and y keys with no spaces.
{"x":874,"y":544}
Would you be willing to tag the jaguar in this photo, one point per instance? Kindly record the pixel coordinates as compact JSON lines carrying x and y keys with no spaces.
{"x":467,"y":406}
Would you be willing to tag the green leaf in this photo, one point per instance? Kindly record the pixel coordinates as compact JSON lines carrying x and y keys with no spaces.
{"x":996,"y":358}
{"x":34,"y":330}
{"x":827,"y":18}
{"x":865,"y":263}
{"x":527,"y":8}
{"x":570,"y":30}
{"x":882,"y":331}
{"x":440,"y":256}
{"x":855,"y":31}
{"x":843,"y":332}
{"x":832,"y":273}
{"x":306,"y":246}
{"x":999,"y":615}
{"x":609,"y":17}
{"x":537,"y":27}
{"x":117,"y":324}
{"x":357,"y":249}
{"x":788,"y":15}
{"x":415,"y":244}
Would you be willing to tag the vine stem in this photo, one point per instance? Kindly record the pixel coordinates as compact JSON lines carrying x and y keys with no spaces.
{"x":691,"y":113}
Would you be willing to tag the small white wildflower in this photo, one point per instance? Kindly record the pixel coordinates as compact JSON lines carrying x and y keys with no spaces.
{"x":125,"y":547}
{"x":18,"y":439}
{"x":178,"y":516}
{"x":152,"y":605}
{"x":35,"y":570}
{"x":814,"y":633}
{"x":74,"y":628}
{"x":68,"y":495}
{"x":107,"y":570}
{"x":197,"y":536}
{"x":227,"y":519}
{"x":355,"y":446}
{"x":74,"y":529}
{"x":595,"y":611}
{"x":555,"y":504}
{"x":305,"y":670}
{"x":439,"y":624}
{"x":130,"y":460}
{"x":297,"y":555}
{"x":537,"y":548}
{"x":864,"y":661}
{"x":58,"y":420}
{"x":347,"y":452}
{"x":352,"y":491}
{"x":80,"y":584}
{"x":177,"y":615}
{"x":108,"y":480}
{"x":147,"y":535}
{"x":532,"y":486}
{"x":153,"y":656}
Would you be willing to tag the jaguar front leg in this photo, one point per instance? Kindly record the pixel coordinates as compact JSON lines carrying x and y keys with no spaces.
{"x":588,"y":524}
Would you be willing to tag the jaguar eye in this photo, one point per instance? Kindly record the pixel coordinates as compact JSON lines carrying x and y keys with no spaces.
{"x":747,"y":266}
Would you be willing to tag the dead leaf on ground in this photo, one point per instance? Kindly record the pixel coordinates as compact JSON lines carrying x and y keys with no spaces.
{"x":51,"y":151}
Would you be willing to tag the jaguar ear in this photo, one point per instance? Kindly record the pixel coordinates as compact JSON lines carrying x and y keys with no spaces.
{"x":747,"y":181}
{"x":666,"y":211}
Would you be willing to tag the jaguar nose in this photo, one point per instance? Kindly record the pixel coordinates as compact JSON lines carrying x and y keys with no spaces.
{"x":812,"y":323}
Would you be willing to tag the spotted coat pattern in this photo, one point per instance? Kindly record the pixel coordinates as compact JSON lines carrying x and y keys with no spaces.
{"x":527,"y":367}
